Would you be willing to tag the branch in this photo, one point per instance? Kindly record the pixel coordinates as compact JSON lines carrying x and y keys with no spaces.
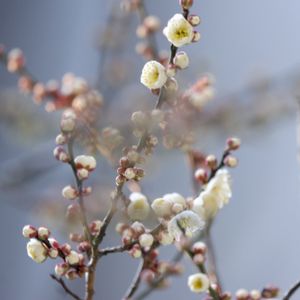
{"x":292,"y":291}
{"x":179,"y":255}
{"x":64,"y":286}
{"x":135,"y":282}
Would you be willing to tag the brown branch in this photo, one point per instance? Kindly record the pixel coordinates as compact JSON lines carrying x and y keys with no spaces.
{"x":292,"y":291}
{"x":65,"y":287}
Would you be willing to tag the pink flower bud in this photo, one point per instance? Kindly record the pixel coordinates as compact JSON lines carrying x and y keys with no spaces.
{"x":233,"y":143}
{"x":29,"y":231}
{"x":71,"y":274}
{"x":61,"y":269}
{"x":66,"y":249}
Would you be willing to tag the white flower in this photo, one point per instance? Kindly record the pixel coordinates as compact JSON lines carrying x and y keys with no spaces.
{"x":186,"y":222}
{"x":153,"y":75}
{"x":175,"y":198}
{"x":179,"y":31}
{"x":138,"y":208}
{"x":146,"y":240}
{"x":162,"y":207}
{"x":85,"y":161}
{"x":36,"y":251}
{"x":216,"y":194}
{"x":72,"y":258}
{"x":69,"y":192}
{"x":181,"y":60}
{"x":198,"y":282}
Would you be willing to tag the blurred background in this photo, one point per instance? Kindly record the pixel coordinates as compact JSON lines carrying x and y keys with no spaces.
{"x":252,"y":49}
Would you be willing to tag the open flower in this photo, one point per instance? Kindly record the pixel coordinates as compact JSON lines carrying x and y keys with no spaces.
{"x":198,"y":282}
{"x":179,"y":31}
{"x":216,"y":194}
{"x":153,"y":75}
{"x":36,"y":251}
{"x":186,"y":222}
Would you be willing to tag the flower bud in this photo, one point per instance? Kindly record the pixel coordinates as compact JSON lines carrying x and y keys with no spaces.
{"x":54,"y":243}
{"x":186,"y":4}
{"x":171,"y":70}
{"x":61,"y":269}
{"x":60,"y":139}
{"x":85,"y":161}
{"x":196,"y":37}
{"x":29,"y":231}
{"x":201,"y":175}
{"x":67,"y":124}
{"x":152,"y":23}
{"x":194,"y":20}
{"x":255,"y":295}
{"x":136,"y":251}
{"x":71,"y":274}
{"x":147,"y":276}
{"x":36,"y":251}
{"x":146,"y":240}
{"x":130,"y":173}
{"x":53,"y":253}
{"x":242,"y":294}
{"x":211,"y":161}
{"x":231,"y":161}
{"x":162,"y":207}
{"x":82,"y":174}
{"x":172,"y":85}
{"x":43,"y":233}
{"x":84,"y":247}
{"x":95,"y":227}
{"x":181,"y":60}
{"x":138,"y":228}
{"x":69,"y":192}
{"x":66,"y":249}
{"x":138,"y":208}
{"x":72,"y":258}
{"x":139,"y":118}
{"x":198,"y":259}
{"x":233,"y":143}
{"x":199,"y":248}
{"x":60,"y":154}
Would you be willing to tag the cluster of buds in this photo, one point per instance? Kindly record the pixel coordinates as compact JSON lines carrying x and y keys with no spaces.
{"x":84,"y":164}
{"x":136,"y":237}
{"x":126,"y":169}
{"x":211,"y":165}
{"x":41,"y":246}
{"x":269,"y":292}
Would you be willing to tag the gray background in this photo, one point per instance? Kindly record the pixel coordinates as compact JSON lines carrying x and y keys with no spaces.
{"x":256,"y":236}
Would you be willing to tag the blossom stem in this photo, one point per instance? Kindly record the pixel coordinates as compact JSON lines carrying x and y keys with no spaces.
{"x":65,"y":287}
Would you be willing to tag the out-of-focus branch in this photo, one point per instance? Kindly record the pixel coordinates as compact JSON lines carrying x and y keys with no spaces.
{"x":292,"y":291}
{"x":65,"y":287}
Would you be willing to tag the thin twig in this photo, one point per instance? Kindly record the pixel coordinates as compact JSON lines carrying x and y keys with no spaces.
{"x":64,"y":286}
{"x":292,"y":291}
{"x":135,"y":282}
{"x":177,"y":258}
